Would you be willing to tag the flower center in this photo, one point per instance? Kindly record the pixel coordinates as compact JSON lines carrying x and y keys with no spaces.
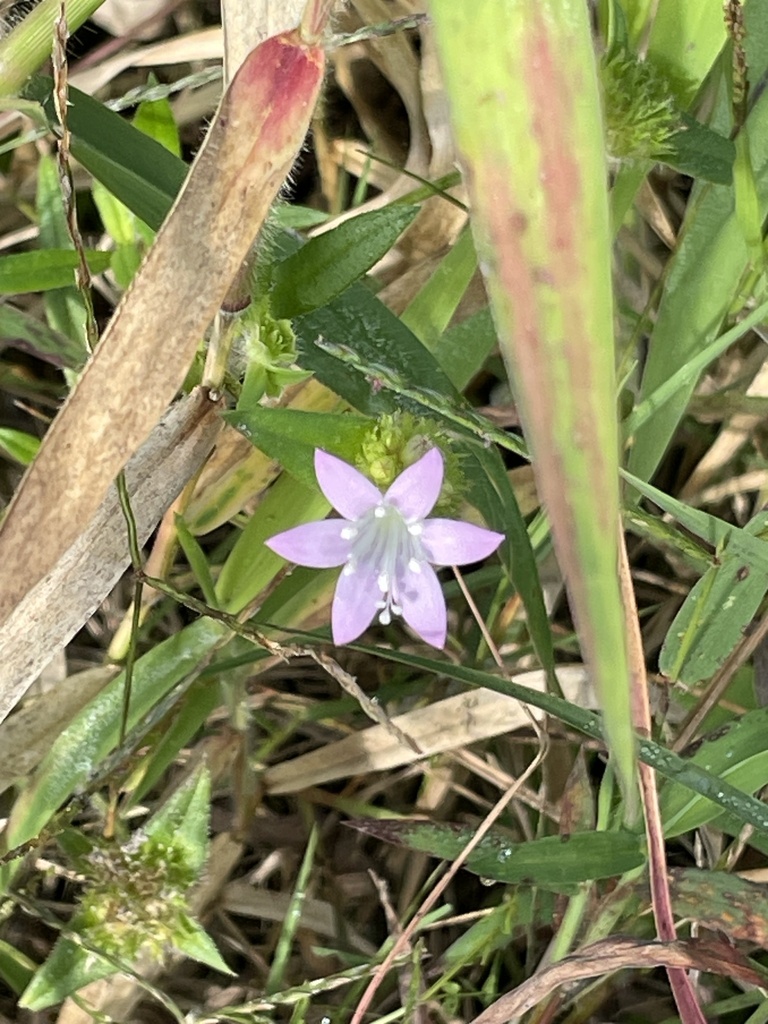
{"x":387,"y":547}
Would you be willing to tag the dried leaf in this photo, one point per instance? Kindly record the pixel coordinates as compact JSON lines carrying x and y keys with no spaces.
{"x":618,"y":954}
{"x":444,"y":725}
{"x":52,"y":612}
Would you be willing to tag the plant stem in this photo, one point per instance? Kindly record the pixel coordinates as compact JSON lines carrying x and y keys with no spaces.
{"x":28,"y":45}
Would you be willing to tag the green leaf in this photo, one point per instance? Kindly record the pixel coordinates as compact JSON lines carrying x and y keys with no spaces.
{"x":46,"y":268}
{"x":68,"y":968}
{"x":94,"y":732}
{"x":198,"y":562}
{"x":667,"y":536}
{"x":702,"y":279}
{"x":737,"y":754}
{"x":25,"y":332}
{"x":684,"y":41}
{"x":276,"y":977}
{"x":685,"y":377}
{"x":16,"y":969}
{"x":155,"y":119}
{"x":714,"y":531}
{"x":297,"y":218}
{"x":184,"y":819}
{"x":202,"y":698}
{"x":712,"y":620}
{"x":291,"y":436}
{"x":18,"y":445}
{"x":331,"y":262}
{"x":251,"y":565}
{"x":554,"y":862}
{"x":362,"y":322}
{"x":701,"y":153}
{"x":522,"y":909}
{"x":197,"y":944}
{"x":135,"y":168}
{"x":463,"y":349}
{"x":430,"y":311}
{"x":64,"y":307}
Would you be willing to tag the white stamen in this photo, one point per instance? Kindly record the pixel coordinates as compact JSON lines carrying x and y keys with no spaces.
{"x":349,"y":533}
{"x":383,"y":582}
{"x":385,"y":618}
{"x":413,"y":565}
{"x":379,"y":511}
{"x":415,"y":529}
{"x":349,"y":568}
{"x":396,"y":609}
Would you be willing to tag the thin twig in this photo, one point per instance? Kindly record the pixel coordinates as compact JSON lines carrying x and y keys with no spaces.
{"x":61,"y":103}
{"x":285,"y":652}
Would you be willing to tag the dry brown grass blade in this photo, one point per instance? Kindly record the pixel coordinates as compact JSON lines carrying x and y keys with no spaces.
{"x":51,"y":612}
{"x":445,"y":725}
{"x":616,"y":955}
{"x":207,"y":44}
{"x":144,"y":354}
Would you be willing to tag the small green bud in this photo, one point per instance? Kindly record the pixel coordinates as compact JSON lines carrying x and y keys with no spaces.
{"x":268,"y":348}
{"x":640,"y":110}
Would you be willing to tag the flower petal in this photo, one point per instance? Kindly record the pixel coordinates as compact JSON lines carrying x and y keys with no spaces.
{"x":354,"y":604}
{"x":350,"y":493}
{"x":318,"y":545}
{"x":416,"y":490}
{"x":451,"y":542}
{"x":421,"y":598}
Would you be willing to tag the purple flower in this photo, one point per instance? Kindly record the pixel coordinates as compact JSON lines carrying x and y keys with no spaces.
{"x":386,"y":545}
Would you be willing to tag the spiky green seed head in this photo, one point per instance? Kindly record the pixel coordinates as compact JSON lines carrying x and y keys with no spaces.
{"x":640,"y":110}
{"x":136,"y":898}
{"x":398,"y":440}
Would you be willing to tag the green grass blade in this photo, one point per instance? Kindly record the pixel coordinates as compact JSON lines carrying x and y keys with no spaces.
{"x":553,"y":862}
{"x":704,"y":275}
{"x":42,"y":269}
